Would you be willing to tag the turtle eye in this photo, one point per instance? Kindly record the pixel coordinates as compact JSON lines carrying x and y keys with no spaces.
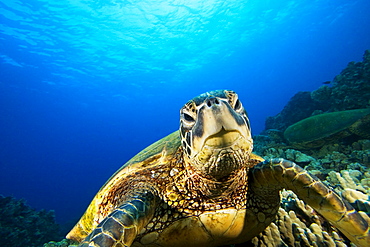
{"x":187,"y":117}
{"x":238,"y":105}
{"x":234,"y":101}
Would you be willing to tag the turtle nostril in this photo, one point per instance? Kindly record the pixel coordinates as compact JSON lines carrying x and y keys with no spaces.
{"x":212,"y":101}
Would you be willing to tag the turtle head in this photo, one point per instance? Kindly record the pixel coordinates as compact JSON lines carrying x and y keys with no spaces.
{"x":215,"y":133}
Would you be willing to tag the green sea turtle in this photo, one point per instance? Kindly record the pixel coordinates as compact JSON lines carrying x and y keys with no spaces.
{"x":203,"y":186}
{"x":315,"y":131}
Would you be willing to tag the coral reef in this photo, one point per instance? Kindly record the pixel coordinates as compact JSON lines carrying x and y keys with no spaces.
{"x":329,"y":158}
{"x":317,"y":130}
{"x":342,"y":163}
{"x":342,"y":166}
{"x":20,"y":225}
{"x":358,"y":200}
{"x":297,"y":224}
{"x":349,"y":90}
{"x":63,"y":243}
{"x":293,"y":111}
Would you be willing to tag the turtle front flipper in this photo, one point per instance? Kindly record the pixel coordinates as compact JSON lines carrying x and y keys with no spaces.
{"x":276,"y":174}
{"x":122,"y":225}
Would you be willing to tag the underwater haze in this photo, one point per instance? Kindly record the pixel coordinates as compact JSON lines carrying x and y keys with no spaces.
{"x":85,"y":85}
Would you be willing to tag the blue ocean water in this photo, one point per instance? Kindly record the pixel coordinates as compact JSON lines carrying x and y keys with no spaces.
{"x":85,"y":85}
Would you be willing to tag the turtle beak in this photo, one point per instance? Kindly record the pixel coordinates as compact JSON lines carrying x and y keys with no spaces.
{"x":223,"y":138}
{"x":218,"y":125}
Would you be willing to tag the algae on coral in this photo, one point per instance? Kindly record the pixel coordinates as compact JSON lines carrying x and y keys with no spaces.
{"x":21,"y":225}
{"x":316,"y":130}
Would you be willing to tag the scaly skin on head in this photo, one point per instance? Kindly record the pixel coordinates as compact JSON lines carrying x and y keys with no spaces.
{"x":215,"y":134}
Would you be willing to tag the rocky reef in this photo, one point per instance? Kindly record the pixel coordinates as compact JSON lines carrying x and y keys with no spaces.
{"x":349,"y":90}
{"x":344,"y":168}
{"x":21,"y":225}
{"x":341,"y":160}
{"x":337,"y":112}
{"x":297,"y":224}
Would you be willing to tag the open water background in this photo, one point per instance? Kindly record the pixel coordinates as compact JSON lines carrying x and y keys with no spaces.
{"x":85,"y":85}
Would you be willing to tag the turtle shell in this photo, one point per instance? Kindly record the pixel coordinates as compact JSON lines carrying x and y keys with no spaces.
{"x":165,"y":147}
